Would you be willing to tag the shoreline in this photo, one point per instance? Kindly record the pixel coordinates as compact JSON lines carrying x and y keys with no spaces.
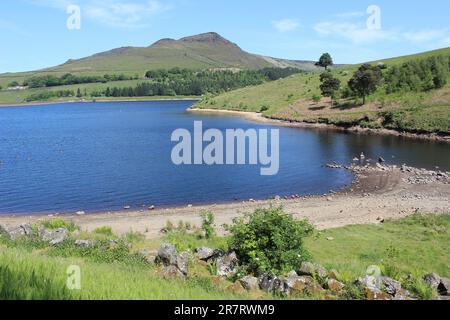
{"x":40,"y":103}
{"x":256,"y":117}
{"x":377,"y":193}
{"x":259,"y":117}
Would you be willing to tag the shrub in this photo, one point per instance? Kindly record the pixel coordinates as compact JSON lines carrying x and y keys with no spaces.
{"x":59,"y":223}
{"x":269,"y":240}
{"x":316,"y":98}
{"x":208,"y":224}
{"x":264,"y":109}
{"x":133,"y":237}
{"x":105,"y":231}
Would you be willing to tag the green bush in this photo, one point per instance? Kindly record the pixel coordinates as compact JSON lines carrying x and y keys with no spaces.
{"x":105,"y":231}
{"x":208,"y":224}
{"x":59,"y":223}
{"x":269,"y":240}
{"x":316,"y":98}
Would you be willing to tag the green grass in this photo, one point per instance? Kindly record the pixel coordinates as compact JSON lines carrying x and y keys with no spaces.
{"x":416,"y":245}
{"x":405,"y":249}
{"x":28,"y":276}
{"x":292,"y":99}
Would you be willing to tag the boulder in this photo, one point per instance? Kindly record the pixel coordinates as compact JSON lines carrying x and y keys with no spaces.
{"x":389,"y":285}
{"x":171,"y":272}
{"x":312,"y":270}
{"x":249,"y":283}
{"x":367,"y":282}
{"x":227,"y":264}
{"x":56,"y":236}
{"x":444,"y":287}
{"x":333,"y":274}
{"x":206,"y":254}
{"x":370,"y":285}
{"x":183,"y":262}
{"x":85,"y":243}
{"x":382,"y":288}
{"x":334,"y":285}
{"x":376,"y":294}
{"x":306,"y":269}
{"x":266,"y":282}
{"x":167,"y":255}
{"x":21,"y":231}
{"x":402,"y":294}
{"x":302,"y":285}
{"x":433,"y":280}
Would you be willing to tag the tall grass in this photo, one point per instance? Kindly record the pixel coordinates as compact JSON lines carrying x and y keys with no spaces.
{"x":28,"y":276}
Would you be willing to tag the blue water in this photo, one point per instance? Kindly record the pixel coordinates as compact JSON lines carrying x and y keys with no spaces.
{"x":103,"y":156}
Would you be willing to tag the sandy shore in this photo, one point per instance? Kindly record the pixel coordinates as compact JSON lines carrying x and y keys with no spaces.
{"x":259,"y":117}
{"x":375,"y":195}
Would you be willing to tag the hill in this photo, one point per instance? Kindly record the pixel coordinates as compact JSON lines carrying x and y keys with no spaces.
{"x":203,"y":51}
{"x":293,"y":98}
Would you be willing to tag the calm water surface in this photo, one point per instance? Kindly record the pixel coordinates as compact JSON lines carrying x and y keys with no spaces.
{"x":103,"y":156}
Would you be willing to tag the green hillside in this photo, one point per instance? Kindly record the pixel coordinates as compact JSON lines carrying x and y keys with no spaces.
{"x":204,"y":51}
{"x":293,"y":98}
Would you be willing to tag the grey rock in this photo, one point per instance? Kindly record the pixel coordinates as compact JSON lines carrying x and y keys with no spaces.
{"x":312,"y":270}
{"x":265,"y":282}
{"x":369,"y":282}
{"x":444,"y":287}
{"x":402,"y":294}
{"x":56,"y":236}
{"x":292,"y":274}
{"x":249,"y":283}
{"x":171,"y":272}
{"x":85,"y":243}
{"x":167,"y":255}
{"x":433,"y":280}
{"x":306,"y":269}
{"x":21,"y":231}
{"x":227,"y":264}
{"x":183,"y":262}
{"x":389,"y":285}
{"x":334,"y":285}
{"x":271,"y":283}
{"x":206,"y":254}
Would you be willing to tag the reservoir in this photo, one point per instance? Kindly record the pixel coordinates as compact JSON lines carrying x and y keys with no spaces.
{"x":95,"y":157}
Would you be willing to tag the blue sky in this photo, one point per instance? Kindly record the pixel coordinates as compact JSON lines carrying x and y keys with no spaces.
{"x":34,"y":33}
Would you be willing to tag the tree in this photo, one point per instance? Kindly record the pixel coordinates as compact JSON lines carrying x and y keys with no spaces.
{"x":13,"y":84}
{"x":79,"y":93}
{"x":365,"y":81}
{"x":269,"y":240}
{"x":329,"y":85}
{"x":325,"y":61}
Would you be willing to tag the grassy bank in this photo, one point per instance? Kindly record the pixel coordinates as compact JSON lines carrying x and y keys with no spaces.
{"x":403,"y":249}
{"x":297,"y":98}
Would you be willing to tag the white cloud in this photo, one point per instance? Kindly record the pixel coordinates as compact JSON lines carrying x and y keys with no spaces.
{"x":286,"y":25}
{"x":123,"y":14}
{"x":426,"y":35}
{"x":353,"y":32}
{"x":360,"y":34}
{"x":351,"y":14}
{"x":128,"y":14}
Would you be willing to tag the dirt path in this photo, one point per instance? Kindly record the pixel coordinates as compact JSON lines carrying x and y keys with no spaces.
{"x":375,"y":195}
